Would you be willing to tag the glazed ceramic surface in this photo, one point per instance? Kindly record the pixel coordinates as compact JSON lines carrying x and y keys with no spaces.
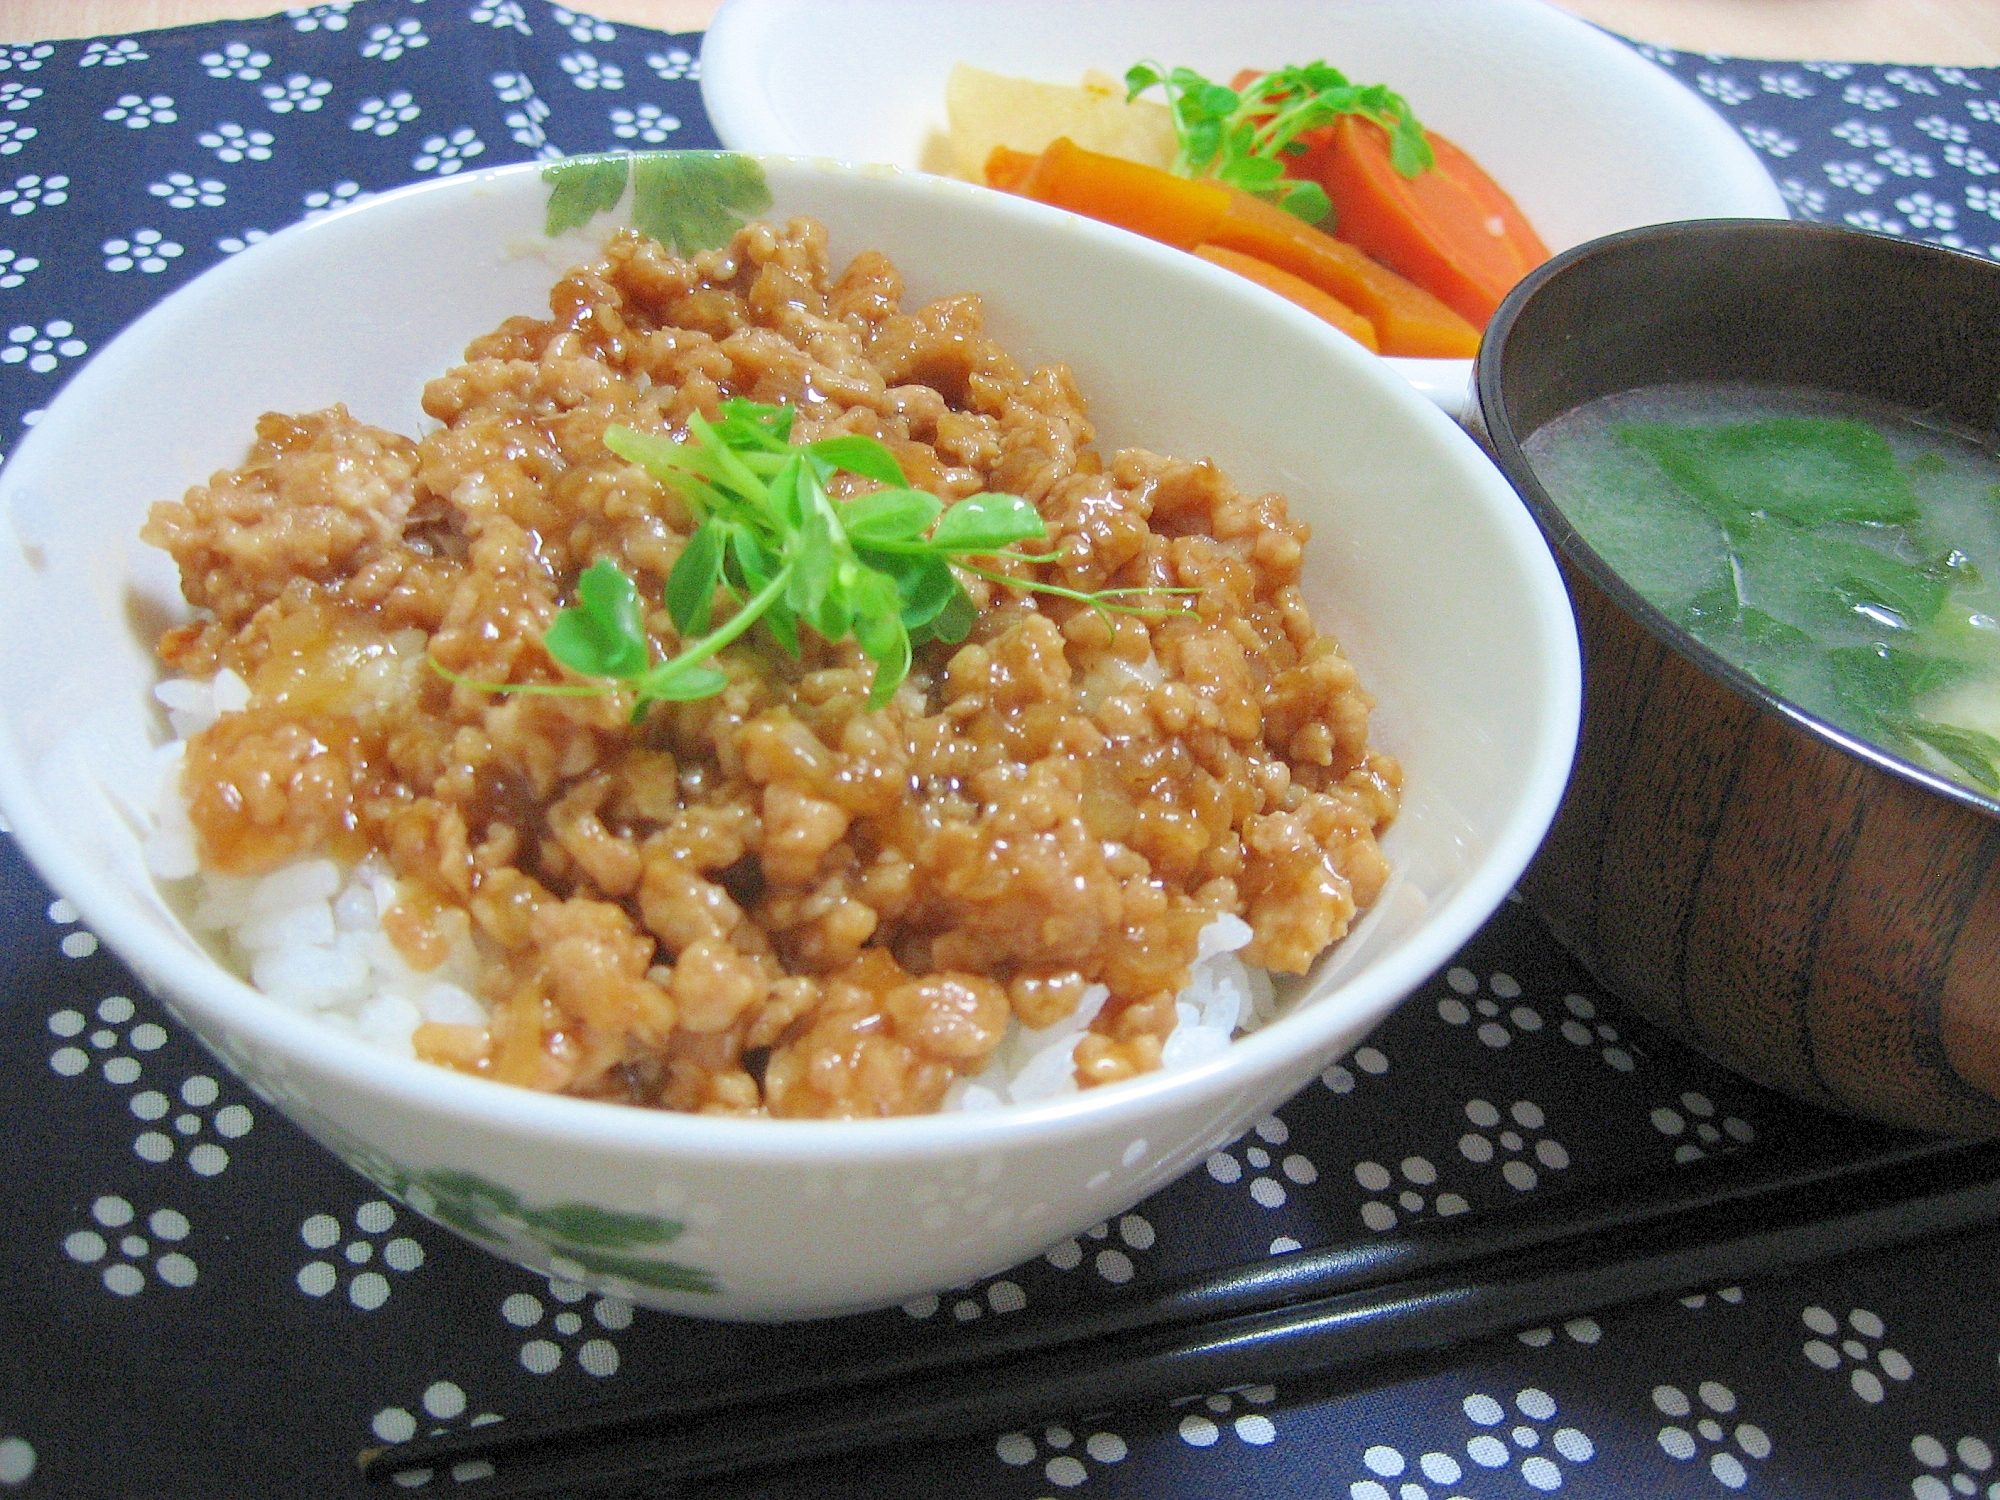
{"x":1585,"y":135}
{"x":1423,"y":564}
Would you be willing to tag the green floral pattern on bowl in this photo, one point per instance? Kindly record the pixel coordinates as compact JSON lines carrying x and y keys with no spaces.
{"x":580,"y":1242}
{"x":585,"y":1243}
{"x":687,"y":200}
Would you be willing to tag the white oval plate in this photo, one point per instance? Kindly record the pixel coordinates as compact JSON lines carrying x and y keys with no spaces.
{"x":1587,"y":136}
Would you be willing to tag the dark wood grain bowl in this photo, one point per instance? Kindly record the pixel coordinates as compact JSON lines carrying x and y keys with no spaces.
{"x":1814,"y":912}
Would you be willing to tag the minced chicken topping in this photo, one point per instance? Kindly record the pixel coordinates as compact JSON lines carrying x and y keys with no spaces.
{"x":773,"y":900}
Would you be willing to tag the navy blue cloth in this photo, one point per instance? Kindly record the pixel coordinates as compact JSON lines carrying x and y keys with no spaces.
{"x":128,"y":165}
{"x":197,"y":1302}
{"x":1899,"y":150}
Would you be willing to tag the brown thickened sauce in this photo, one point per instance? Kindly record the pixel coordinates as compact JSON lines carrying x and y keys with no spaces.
{"x":774,"y":900}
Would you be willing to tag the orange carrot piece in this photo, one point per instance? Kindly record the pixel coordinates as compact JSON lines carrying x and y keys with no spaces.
{"x":1294,"y":289}
{"x":1174,"y":210}
{"x":1432,"y":228}
{"x":1468,"y":174}
{"x":1408,"y":320}
{"x":1006,"y":168}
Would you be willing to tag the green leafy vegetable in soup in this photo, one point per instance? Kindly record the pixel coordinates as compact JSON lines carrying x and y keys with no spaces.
{"x":1847,"y":558}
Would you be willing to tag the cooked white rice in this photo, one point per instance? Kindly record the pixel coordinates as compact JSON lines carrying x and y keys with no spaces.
{"x":310,"y":936}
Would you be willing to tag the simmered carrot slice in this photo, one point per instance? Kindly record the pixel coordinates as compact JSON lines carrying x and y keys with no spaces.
{"x":1435,"y":229}
{"x":1174,"y":210}
{"x":1408,"y":320}
{"x":1186,"y":213}
{"x":1468,"y":174}
{"x":1295,"y":289}
{"x":1006,"y":169}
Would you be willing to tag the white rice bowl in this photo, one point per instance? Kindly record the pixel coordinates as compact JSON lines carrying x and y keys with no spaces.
{"x":1424,"y":566}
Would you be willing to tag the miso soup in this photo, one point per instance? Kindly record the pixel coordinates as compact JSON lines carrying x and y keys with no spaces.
{"x":1846,"y":555}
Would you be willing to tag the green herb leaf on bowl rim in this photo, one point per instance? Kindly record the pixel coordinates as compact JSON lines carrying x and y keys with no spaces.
{"x":687,"y":200}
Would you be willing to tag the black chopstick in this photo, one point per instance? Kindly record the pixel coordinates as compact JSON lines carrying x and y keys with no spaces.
{"x":1296,"y":1316}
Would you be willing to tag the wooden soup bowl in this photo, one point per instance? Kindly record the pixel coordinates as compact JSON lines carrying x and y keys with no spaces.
{"x":1808,"y":909}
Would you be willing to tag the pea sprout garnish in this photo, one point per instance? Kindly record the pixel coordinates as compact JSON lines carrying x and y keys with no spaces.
{"x":878,"y":566}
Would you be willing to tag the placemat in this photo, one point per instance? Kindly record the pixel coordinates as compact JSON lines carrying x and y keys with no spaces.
{"x":197,"y":1302}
